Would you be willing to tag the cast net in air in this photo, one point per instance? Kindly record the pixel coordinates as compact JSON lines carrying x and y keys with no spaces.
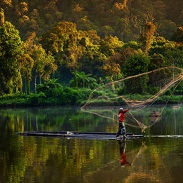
{"x":139,"y":93}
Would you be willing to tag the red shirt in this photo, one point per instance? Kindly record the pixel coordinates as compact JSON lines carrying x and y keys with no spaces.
{"x":122,"y":116}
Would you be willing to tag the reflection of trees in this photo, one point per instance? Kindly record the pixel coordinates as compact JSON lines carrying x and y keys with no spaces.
{"x":38,"y":158}
{"x":30,"y":159}
{"x":41,"y":159}
{"x":144,"y":118}
{"x":48,"y":119}
{"x":162,"y":124}
{"x":147,"y":165}
{"x":151,"y":166}
{"x":26,"y":158}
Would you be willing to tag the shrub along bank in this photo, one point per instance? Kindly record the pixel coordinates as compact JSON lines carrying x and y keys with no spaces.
{"x":72,"y":97}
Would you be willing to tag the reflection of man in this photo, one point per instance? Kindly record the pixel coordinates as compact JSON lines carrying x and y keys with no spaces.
{"x":123,"y":159}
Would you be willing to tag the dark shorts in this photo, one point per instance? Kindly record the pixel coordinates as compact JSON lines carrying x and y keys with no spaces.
{"x":121,"y":129}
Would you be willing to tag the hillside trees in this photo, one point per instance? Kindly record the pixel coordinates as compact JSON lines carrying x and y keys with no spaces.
{"x":146,"y":37}
{"x":158,"y":50}
{"x":5,"y":3}
{"x":1,"y":17}
{"x":10,"y":50}
{"x":33,"y":16}
{"x":83,"y":80}
{"x":160,"y":45}
{"x":123,"y":19}
{"x":137,"y":63}
{"x":44,"y":64}
{"x":36,"y":62}
{"x":27,"y":64}
{"x":61,"y":41}
{"x":72,"y":48}
{"x":174,"y":57}
{"x":178,"y":35}
{"x":103,"y":52}
{"x":166,"y":28}
{"x":110,"y":46}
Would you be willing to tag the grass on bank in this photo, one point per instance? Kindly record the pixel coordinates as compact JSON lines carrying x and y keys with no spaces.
{"x":70,"y":97}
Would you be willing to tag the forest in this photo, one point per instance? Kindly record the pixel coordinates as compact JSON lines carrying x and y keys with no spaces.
{"x":57,"y":52}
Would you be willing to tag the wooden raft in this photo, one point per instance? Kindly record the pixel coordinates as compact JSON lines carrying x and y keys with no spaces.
{"x":85,"y":135}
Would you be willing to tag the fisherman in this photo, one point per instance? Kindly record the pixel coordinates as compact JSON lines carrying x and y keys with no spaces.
{"x":122,"y":129}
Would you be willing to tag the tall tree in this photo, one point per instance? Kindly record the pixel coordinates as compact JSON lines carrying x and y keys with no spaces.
{"x":62,"y":42}
{"x":136,"y":64}
{"x":44,"y":64}
{"x":68,"y":45}
{"x":1,"y":17}
{"x":36,"y":62}
{"x":146,"y":37}
{"x":109,"y":45}
{"x":27,"y":64}
{"x":10,"y":49}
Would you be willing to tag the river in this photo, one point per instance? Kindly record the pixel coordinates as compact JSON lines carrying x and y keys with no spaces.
{"x":157,"y":157}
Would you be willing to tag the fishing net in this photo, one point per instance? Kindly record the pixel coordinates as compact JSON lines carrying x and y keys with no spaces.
{"x":137,"y":92}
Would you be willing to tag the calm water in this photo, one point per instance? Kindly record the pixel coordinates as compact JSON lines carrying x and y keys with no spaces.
{"x":24,"y":159}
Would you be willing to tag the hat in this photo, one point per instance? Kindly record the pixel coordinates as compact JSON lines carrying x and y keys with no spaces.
{"x":121,"y":108}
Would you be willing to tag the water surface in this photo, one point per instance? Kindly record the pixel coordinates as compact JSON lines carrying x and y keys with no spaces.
{"x":156,"y":158}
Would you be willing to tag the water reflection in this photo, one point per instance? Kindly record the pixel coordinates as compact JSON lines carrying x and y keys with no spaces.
{"x":41,"y":159}
{"x":122,"y":149}
{"x":146,"y":165}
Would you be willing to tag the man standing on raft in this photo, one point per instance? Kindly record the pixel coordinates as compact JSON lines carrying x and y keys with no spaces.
{"x":122,"y":129}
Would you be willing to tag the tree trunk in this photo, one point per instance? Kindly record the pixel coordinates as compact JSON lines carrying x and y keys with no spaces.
{"x":28,"y":87}
{"x":35,"y":83}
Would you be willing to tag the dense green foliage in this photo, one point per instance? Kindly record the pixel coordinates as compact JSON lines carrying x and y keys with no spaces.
{"x":84,"y":44}
{"x":10,"y":46}
{"x":122,"y":18}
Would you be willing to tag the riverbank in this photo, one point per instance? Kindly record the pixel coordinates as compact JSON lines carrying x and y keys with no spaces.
{"x":38,"y":100}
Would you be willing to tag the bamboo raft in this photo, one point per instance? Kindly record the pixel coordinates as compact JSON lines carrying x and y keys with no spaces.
{"x":83,"y":135}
